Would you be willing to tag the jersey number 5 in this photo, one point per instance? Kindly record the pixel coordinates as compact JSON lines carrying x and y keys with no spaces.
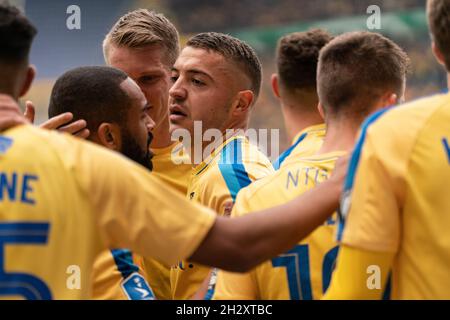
{"x":22,"y":284}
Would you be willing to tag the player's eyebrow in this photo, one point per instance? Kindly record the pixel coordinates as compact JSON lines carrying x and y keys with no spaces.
{"x":195,"y":71}
{"x":149,"y":72}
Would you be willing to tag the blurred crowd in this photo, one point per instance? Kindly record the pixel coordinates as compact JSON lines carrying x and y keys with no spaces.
{"x":193,"y":16}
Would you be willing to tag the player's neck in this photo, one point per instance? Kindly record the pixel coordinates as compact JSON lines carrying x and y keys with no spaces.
{"x":296,"y":122}
{"x":161,"y":135}
{"x":340,"y":136}
{"x":208,"y":147}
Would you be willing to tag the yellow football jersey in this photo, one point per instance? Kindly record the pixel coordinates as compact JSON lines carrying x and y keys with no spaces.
{"x":306,"y":143}
{"x":215,"y":184}
{"x":397,"y":196}
{"x":63,"y":201}
{"x":117,"y":276}
{"x":304,"y":272}
{"x":172,"y":165}
{"x":114,"y":268}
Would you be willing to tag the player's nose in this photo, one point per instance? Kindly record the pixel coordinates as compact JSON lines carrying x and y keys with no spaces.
{"x":150,"y":123}
{"x":177,"y":91}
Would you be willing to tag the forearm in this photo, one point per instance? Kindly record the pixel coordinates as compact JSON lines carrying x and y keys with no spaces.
{"x":242,"y":243}
{"x":359,"y":275}
{"x":278,"y":229}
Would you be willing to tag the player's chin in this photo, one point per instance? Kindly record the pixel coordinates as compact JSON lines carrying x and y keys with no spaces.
{"x":178,"y":123}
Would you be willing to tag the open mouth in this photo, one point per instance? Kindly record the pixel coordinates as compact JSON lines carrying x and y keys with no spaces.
{"x":177,"y":112}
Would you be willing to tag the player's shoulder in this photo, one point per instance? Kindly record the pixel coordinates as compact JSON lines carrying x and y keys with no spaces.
{"x":38,"y":142}
{"x":409,"y":117}
{"x":51,"y":145}
{"x":265,"y":187}
{"x":251,"y":152}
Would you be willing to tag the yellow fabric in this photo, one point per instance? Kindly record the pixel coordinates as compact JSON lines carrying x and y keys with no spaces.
{"x":108,"y":280}
{"x":400,"y":197}
{"x":311,"y":143}
{"x":215,"y":183}
{"x":89,"y":199}
{"x":359,"y":275}
{"x":172,"y":166}
{"x":297,"y":274}
{"x":158,"y":276}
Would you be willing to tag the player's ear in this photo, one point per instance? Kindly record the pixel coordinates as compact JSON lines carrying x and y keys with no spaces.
{"x":275,"y":85}
{"x":392,"y":100}
{"x":31,"y":73}
{"x":109,"y":136}
{"x":438,"y":54}
{"x":321,"y":110}
{"x":244,"y":102}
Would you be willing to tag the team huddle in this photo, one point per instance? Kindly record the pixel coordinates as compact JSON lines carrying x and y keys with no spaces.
{"x":355,"y":208}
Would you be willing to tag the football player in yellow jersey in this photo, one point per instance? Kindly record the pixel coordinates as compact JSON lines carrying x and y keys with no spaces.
{"x":348,"y":93}
{"x":217,"y":79}
{"x":294,"y":85}
{"x":68,"y":183}
{"x":144,"y":45}
{"x":10,"y":13}
{"x":121,"y":124}
{"x":396,"y":205}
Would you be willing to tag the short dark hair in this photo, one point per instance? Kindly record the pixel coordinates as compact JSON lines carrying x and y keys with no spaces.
{"x":297,"y":56}
{"x":93,"y":94}
{"x":239,"y":52}
{"x":356,"y":68}
{"x":16,"y":35}
{"x":439,"y":23}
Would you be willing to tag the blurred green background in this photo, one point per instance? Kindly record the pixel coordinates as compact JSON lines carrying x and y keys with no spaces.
{"x":259,"y":22}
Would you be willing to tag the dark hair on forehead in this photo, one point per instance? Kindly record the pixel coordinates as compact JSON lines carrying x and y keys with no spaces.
{"x":16,"y":35}
{"x":356,"y":68}
{"x":297,"y":57}
{"x":234,"y":50}
{"x":93,"y":94}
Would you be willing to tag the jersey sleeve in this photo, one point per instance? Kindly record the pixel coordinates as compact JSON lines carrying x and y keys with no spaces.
{"x":136,"y":210}
{"x":242,"y":204}
{"x":234,"y":286}
{"x":360,"y":275}
{"x":373,"y":220}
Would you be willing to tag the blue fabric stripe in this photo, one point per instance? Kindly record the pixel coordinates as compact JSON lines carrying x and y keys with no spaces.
{"x":232,"y":169}
{"x":124,"y":262}
{"x":353,"y":166}
{"x":212,"y":285}
{"x":277,"y":163}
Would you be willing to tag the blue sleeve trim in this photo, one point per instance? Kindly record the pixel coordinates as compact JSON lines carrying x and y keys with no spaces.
{"x":232,"y":168}
{"x":277,"y":163}
{"x":354,"y":162}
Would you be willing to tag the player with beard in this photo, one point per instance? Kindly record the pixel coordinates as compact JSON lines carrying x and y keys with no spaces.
{"x":116,"y":113}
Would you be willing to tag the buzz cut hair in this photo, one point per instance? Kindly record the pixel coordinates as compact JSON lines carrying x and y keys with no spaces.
{"x":297,"y":56}
{"x":356,"y":69}
{"x":16,"y":35}
{"x":91,"y":93}
{"x":234,"y":50}
{"x":141,"y":28}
